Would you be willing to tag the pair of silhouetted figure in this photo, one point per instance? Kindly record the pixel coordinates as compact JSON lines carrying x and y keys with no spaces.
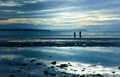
{"x":80,"y":36}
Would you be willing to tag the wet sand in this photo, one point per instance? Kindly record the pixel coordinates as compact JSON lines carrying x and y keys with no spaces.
{"x":62,"y":42}
{"x":59,"y":62}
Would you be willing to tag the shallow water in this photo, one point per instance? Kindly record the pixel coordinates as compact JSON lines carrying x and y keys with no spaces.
{"x":61,"y":34}
{"x":106,"y":60}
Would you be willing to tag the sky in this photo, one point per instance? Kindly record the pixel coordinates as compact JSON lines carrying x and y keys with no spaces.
{"x":60,"y":14}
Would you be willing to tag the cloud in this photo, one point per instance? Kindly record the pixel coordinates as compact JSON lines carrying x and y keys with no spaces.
{"x":60,"y":12}
{"x":12,"y":11}
{"x":34,"y":1}
{"x":63,"y":16}
{"x":48,"y":11}
{"x":66,"y":19}
{"x":63,"y":8}
{"x":9,"y":3}
{"x":36,"y":21}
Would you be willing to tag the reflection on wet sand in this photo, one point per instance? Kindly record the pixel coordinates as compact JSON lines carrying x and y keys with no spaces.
{"x":46,"y":62}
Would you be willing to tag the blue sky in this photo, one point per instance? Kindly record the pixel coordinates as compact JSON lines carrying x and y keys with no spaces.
{"x":60,"y":14}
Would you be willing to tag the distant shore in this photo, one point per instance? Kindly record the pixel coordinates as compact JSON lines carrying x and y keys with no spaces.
{"x":23,"y":30}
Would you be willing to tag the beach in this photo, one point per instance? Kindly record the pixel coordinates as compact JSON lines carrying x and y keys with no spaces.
{"x":59,"y":62}
{"x":63,"y":56}
{"x":60,"y":42}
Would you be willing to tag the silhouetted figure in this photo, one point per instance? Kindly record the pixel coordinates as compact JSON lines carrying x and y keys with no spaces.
{"x":80,"y":36}
{"x":74,"y":34}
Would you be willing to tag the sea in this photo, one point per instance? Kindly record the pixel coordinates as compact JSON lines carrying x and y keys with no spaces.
{"x":61,"y":34}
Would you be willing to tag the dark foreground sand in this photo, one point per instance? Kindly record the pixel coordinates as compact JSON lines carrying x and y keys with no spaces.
{"x":50,"y":71}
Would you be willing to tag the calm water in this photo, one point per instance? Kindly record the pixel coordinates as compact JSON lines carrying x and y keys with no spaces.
{"x":59,"y":34}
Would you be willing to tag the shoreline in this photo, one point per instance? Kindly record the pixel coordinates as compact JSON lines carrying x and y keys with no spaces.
{"x":62,"y":42}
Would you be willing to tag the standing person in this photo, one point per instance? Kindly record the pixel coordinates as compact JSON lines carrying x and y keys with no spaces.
{"x":74,"y":34}
{"x":80,"y":36}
